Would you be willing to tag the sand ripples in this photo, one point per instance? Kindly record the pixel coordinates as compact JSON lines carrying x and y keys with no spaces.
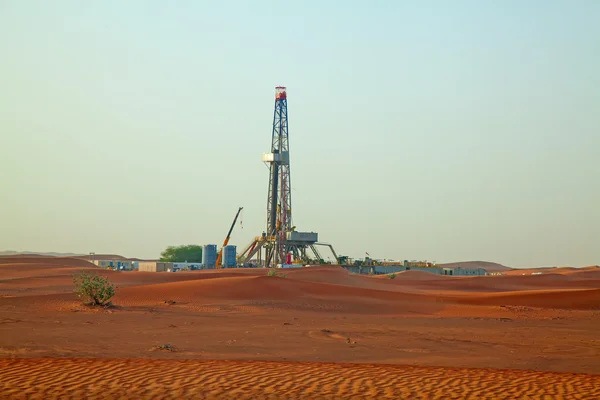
{"x":176,"y":379}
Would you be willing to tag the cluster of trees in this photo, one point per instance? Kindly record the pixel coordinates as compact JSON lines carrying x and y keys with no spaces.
{"x":187,"y":253}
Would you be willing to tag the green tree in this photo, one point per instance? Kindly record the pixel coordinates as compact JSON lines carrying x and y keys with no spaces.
{"x":187,"y":253}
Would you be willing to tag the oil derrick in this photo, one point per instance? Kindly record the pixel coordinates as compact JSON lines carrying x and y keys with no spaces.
{"x":279,"y":197}
{"x":280,"y":243}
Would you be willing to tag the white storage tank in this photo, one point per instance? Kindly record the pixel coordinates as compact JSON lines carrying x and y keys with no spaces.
{"x":209,"y":255}
{"x":229,"y":256}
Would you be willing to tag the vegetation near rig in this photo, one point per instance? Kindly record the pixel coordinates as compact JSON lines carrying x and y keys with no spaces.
{"x":281,"y":244}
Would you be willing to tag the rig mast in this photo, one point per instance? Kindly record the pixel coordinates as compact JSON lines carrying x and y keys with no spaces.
{"x":279,"y":197}
{"x":281,"y":243}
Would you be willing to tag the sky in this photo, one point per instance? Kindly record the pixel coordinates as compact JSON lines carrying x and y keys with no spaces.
{"x":430,"y":130}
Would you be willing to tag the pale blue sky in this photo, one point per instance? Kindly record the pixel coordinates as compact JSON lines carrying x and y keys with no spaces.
{"x":447,"y":131}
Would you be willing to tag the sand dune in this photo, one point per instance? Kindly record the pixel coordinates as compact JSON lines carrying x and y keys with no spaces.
{"x":36,"y":267}
{"x":34,"y":275}
{"x":266,"y":287}
{"x":566,"y":299}
{"x":320,"y":315}
{"x":41,"y":262}
{"x":412,"y":275}
{"x":242,"y":290}
{"x":333,"y":284}
{"x":488,"y":266}
{"x":173,"y":379}
{"x":591,"y":268}
{"x":11,"y":254}
{"x":551,"y":270}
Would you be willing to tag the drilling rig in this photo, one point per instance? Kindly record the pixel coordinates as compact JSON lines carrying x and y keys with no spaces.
{"x":280,"y":243}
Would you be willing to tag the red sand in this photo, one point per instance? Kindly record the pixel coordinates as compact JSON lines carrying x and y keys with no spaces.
{"x":169,"y":379}
{"x":544,"y":323}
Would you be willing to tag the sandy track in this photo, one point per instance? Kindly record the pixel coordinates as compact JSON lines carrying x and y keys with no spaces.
{"x":174,"y":379}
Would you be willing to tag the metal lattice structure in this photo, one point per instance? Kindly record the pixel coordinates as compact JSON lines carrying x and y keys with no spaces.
{"x":279,"y":198}
{"x":280,"y":242}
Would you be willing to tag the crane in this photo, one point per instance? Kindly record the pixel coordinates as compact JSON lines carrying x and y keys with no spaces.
{"x":220,"y":256}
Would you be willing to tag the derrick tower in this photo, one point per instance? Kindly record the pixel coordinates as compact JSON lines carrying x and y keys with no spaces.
{"x":279,"y":197}
{"x":280,"y":243}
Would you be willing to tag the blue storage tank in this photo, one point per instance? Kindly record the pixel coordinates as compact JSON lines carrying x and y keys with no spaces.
{"x":228,"y":258}
{"x":209,"y":255}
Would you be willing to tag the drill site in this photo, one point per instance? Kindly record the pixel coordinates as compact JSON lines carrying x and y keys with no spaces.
{"x":287,"y":317}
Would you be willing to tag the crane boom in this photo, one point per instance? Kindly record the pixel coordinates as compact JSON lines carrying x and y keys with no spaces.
{"x":220,"y":256}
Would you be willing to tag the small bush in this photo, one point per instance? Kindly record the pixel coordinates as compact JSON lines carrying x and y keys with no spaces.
{"x":273,"y":272}
{"x":94,"y":290}
{"x":392,"y":275}
{"x":166,"y":347}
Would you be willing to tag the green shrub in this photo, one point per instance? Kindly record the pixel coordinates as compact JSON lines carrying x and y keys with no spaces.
{"x":392,"y":275}
{"x":273,"y":272}
{"x":166,"y":346}
{"x":93,"y":290}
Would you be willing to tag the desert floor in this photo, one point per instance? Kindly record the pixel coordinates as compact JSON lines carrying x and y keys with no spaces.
{"x":315,"y":333}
